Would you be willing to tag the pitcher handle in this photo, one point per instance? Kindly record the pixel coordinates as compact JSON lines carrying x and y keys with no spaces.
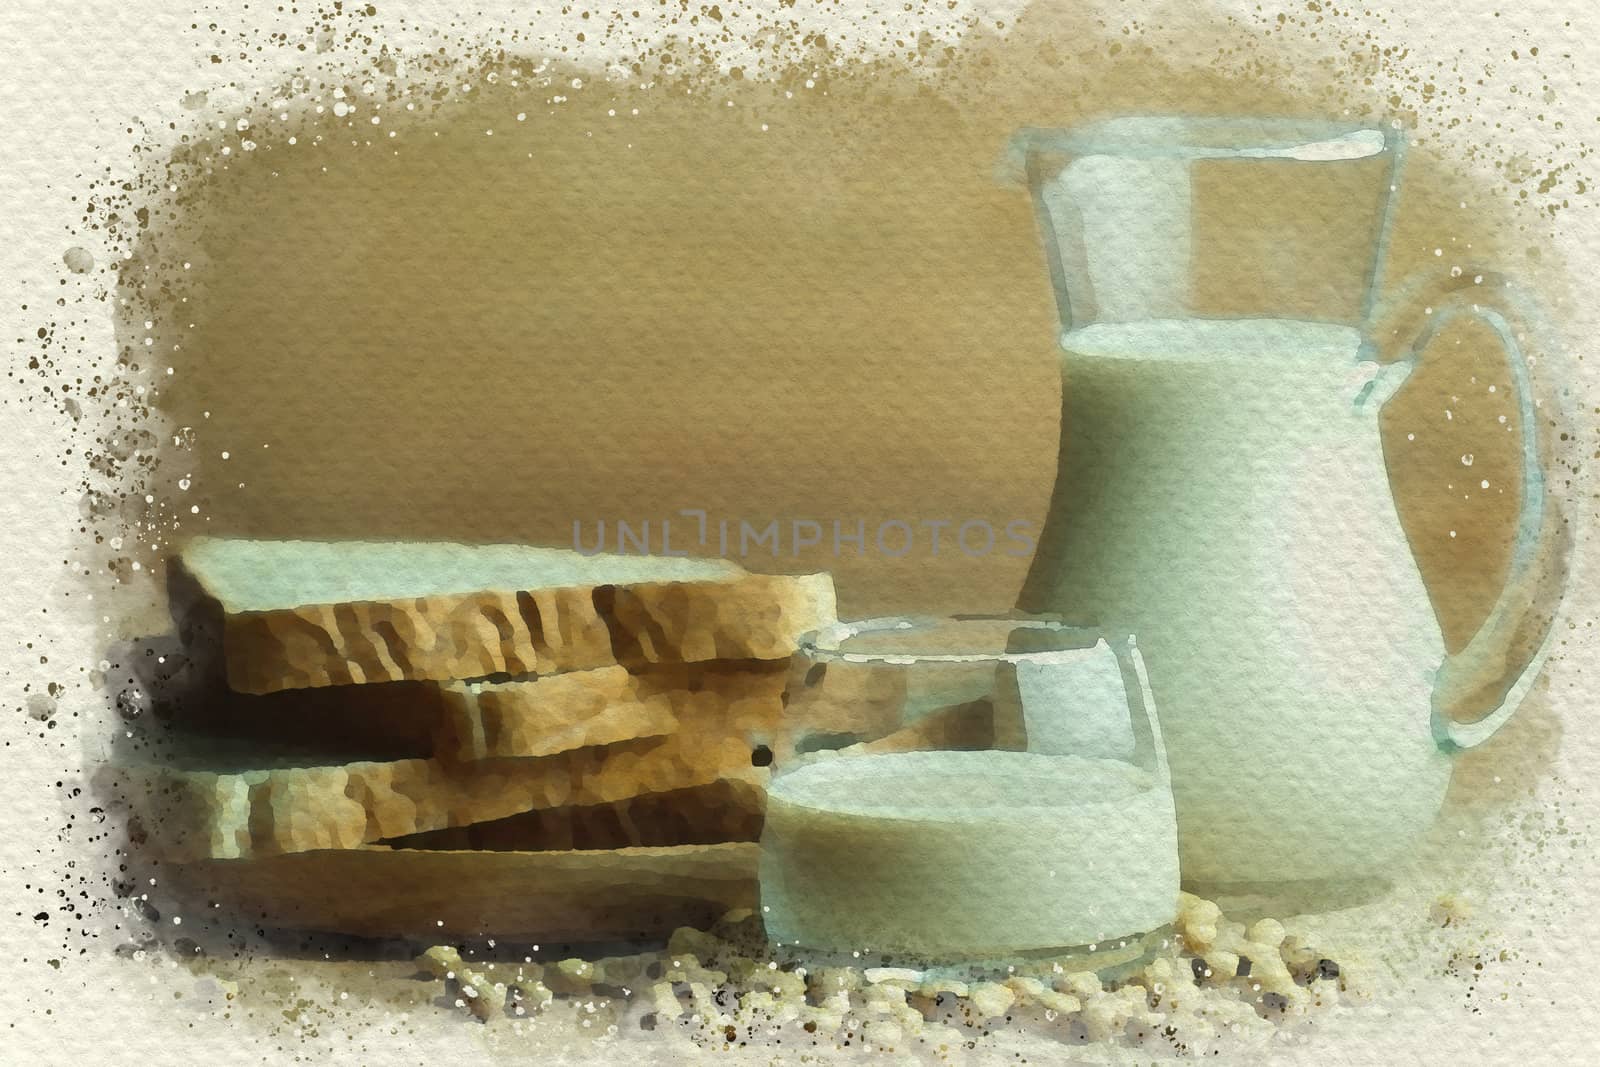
{"x":1481,"y":665}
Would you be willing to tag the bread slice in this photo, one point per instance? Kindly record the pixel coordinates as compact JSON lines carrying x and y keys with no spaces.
{"x":188,"y":808}
{"x":300,"y":614}
{"x":727,"y":810}
{"x":487,"y":720}
{"x":969,"y":727}
{"x":532,"y":717}
{"x":541,"y":717}
{"x":568,"y":897}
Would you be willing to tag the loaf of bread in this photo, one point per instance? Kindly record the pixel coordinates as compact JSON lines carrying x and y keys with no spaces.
{"x":299,"y":614}
{"x":419,"y":739}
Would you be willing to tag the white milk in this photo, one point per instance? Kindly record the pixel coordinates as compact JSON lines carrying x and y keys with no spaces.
{"x":1222,"y":495}
{"x":966,"y":854}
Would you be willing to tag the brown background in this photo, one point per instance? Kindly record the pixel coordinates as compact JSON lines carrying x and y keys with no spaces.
{"x":457,"y":335}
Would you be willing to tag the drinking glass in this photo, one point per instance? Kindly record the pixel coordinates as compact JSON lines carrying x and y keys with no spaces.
{"x":1022,"y":805}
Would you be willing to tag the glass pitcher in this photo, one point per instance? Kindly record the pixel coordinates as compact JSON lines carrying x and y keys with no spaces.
{"x":1222,"y":489}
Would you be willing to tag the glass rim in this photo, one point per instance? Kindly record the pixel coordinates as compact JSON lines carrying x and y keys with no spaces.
{"x":1213,"y":137}
{"x":824,"y":644}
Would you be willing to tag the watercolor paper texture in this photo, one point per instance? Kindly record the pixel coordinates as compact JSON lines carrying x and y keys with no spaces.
{"x":889,"y":293}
